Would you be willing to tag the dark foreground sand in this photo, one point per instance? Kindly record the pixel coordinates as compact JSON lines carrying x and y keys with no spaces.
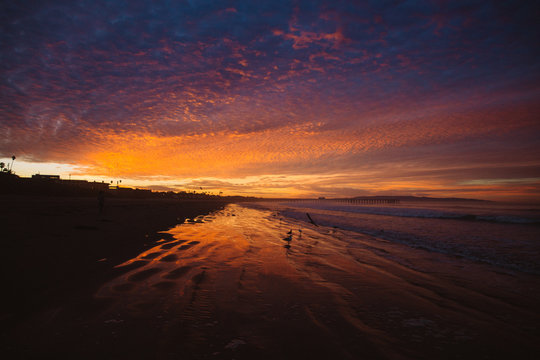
{"x":57,"y":252}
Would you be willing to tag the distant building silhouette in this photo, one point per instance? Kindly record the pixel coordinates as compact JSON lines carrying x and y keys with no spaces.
{"x":45,"y":177}
{"x":53,"y":185}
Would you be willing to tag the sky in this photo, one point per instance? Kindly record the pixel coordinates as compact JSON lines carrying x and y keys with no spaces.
{"x":276,"y":98}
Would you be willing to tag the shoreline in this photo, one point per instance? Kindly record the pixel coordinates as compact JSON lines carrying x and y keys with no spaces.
{"x":60,"y":250}
{"x":227,"y":286}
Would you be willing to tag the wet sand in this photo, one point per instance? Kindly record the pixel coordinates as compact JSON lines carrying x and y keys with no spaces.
{"x":227,"y":286}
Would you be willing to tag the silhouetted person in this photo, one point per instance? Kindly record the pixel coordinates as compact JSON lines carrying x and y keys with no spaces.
{"x":101,"y":201}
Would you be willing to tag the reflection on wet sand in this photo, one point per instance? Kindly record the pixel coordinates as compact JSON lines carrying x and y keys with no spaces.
{"x":241,"y":281}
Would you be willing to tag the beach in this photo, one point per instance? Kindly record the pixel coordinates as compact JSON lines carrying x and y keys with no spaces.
{"x":252,"y":281}
{"x":59,"y":250}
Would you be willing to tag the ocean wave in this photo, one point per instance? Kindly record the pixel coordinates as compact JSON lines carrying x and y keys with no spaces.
{"x":506,"y":241}
{"x":414,"y":212}
{"x":489,"y":252}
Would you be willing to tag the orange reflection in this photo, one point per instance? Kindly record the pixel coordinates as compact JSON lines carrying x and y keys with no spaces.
{"x":277,"y":273}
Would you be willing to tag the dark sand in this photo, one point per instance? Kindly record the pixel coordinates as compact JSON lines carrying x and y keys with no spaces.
{"x":56,"y":254}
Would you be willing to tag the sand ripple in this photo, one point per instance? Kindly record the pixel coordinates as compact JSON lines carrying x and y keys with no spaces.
{"x":229,"y":279}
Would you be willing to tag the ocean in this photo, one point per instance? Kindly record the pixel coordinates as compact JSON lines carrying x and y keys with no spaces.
{"x":501,"y":234}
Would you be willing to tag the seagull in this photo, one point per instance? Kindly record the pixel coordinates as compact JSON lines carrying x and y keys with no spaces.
{"x":311,"y":220}
{"x":290,"y":232}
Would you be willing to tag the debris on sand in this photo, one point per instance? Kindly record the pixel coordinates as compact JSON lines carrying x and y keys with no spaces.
{"x":234,"y":344}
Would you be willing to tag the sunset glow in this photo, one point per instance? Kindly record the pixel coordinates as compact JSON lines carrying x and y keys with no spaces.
{"x":304,"y":98}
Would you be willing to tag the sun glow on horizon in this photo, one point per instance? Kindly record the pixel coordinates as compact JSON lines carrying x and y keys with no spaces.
{"x":297,"y":186}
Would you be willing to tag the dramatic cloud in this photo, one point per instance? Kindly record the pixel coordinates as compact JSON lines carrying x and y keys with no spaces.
{"x":338,"y":97}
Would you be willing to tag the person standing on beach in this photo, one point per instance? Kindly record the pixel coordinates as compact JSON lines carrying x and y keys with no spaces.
{"x":101,"y":201}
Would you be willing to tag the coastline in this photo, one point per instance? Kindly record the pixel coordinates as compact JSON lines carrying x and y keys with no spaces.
{"x":227,"y":286}
{"x":59,"y":251}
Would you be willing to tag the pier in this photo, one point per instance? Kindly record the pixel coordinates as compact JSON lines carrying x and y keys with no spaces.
{"x":355,"y":201}
{"x":368,"y":201}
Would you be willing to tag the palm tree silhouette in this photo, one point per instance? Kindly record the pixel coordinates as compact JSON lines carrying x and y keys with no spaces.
{"x":12,"y":160}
